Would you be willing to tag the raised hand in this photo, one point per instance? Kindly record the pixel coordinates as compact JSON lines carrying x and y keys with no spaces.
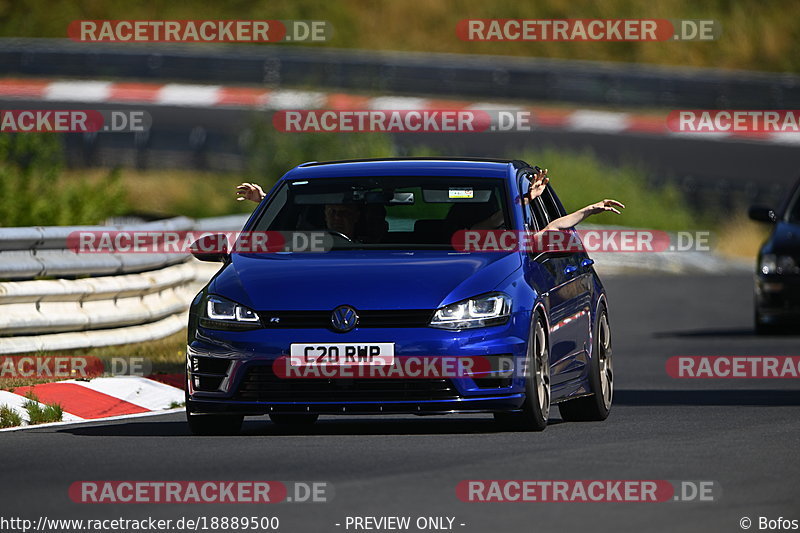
{"x":538,"y":185}
{"x":250,"y":191}
{"x":605,"y":205}
{"x":572,"y":219}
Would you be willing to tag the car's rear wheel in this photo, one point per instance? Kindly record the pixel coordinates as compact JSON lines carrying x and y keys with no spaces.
{"x":214,"y":424}
{"x":289,"y":419}
{"x":601,"y":378}
{"x":536,"y":409}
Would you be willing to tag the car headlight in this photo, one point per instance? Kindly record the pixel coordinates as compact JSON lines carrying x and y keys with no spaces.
{"x":768,"y":264}
{"x":778,"y":264}
{"x":221,"y":313}
{"x":481,"y":311}
{"x":787,"y":265}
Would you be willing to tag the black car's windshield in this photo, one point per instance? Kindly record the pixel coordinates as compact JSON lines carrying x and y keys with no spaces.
{"x":388,"y":212}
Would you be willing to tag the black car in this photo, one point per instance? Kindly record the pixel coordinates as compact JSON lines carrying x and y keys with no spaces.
{"x":777,"y":290}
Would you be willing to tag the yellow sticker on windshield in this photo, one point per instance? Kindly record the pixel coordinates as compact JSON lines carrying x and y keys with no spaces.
{"x":461,"y":193}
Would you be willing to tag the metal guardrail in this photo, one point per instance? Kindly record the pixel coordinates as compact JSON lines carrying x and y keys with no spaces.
{"x":408,"y":73}
{"x":42,"y":251}
{"x":127,"y":298}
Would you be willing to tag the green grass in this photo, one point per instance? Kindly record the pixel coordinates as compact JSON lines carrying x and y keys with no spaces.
{"x":42,"y":413}
{"x":756,"y":35}
{"x":9,"y":418}
{"x":32,"y":192}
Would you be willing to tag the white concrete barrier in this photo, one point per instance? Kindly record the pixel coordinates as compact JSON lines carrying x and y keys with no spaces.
{"x":129,"y":298}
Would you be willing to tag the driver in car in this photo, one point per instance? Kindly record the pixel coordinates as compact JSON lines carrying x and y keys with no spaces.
{"x":342,"y":218}
{"x":339,"y":218}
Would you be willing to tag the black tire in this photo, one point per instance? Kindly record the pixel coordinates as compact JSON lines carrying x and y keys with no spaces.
{"x":601,"y":378}
{"x":536,"y":408}
{"x":291,"y":419}
{"x":214,"y":424}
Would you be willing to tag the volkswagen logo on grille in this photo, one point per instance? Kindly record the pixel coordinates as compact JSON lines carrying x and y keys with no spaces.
{"x":344,"y":318}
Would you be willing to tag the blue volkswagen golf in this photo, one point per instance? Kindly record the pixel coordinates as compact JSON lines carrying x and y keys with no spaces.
{"x":281,"y":333}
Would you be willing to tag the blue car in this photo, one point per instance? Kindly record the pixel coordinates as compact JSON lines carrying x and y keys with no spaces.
{"x":389,"y":285}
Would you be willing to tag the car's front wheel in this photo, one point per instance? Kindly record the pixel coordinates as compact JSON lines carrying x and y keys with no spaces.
{"x":601,"y":377}
{"x":536,"y":409}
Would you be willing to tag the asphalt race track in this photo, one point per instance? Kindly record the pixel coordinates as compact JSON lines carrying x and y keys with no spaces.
{"x":742,"y":434}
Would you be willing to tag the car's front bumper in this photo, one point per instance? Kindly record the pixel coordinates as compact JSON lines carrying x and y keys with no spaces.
{"x":778,"y":299}
{"x":231,"y":372}
{"x":507,"y":402}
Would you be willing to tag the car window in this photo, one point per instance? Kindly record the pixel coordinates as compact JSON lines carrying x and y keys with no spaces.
{"x":538,"y":213}
{"x":389,"y":211}
{"x":550,"y":206}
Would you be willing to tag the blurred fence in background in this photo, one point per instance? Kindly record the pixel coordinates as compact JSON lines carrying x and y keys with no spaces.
{"x":408,"y":73}
{"x":52,"y":298}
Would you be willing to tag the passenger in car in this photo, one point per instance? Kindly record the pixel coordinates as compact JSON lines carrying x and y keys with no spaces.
{"x":372,"y":226}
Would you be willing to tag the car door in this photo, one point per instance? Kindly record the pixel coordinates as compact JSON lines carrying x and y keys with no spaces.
{"x":546,"y":273}
{"x":570,"y":309}
{"x":566,"y":288}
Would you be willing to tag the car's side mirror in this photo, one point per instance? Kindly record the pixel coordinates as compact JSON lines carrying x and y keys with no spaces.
{"x":213,"y":248}
{"x":762,"y":214}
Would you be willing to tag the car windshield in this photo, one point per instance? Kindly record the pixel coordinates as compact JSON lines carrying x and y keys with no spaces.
{"x":387,"y":212}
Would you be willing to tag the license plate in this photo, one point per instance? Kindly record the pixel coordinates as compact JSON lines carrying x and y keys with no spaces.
{"x":358,"y":354}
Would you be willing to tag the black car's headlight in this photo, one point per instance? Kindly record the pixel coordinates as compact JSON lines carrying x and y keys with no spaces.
{"x":778,"y":264}
{"x":490,"y":309}
{"x":221,"y":313}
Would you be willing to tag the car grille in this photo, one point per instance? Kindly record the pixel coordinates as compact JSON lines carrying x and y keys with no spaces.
{"x":403,"y":318}
{"x":260,"y":384}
